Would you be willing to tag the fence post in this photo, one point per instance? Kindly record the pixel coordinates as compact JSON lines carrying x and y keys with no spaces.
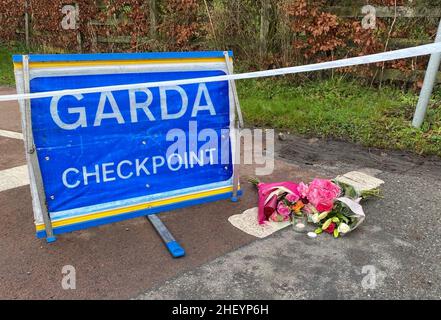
{"x":26,"y":24}
{"x":77,"y":27}
{"x":429,"y":82}
{"x":264,"y":26}
{"x":287,"y":34}
{"x":153,"y":18}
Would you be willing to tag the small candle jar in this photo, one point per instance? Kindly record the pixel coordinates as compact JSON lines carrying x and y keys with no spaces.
{"x":299,"y":222}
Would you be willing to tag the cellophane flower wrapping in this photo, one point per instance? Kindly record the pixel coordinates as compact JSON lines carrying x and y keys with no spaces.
{"x":334,"y":207}
{"x":269,"y":199}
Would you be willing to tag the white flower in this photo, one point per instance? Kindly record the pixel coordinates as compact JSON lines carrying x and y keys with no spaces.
{"x":315,"y":218}
{"x":343,"y":228}
{"x":312,"y":235}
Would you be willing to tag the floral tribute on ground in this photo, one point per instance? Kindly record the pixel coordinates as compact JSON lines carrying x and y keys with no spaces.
{"x":334,"y":207}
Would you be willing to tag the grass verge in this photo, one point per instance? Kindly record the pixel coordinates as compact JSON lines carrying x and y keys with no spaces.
{"x":6,"y":52}
{"x":6,"y":67}
{"x":343,"y":109}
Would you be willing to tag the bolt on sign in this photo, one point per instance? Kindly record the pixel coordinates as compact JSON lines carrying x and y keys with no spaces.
{"x":106,"y":156}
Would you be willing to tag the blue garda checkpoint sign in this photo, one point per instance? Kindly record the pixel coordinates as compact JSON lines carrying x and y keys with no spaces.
{"x":108,"y":156}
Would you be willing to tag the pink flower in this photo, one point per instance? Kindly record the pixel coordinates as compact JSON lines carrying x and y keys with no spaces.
{"x":283,"y":209}
{"x":322,"y":194}
{"x":278,"y":218}
{"x":270,"y":207}
{"x":303,"y":189}
{"x":307,"y":209}
{"x":331,"y":228}
{"x":292,"y":197}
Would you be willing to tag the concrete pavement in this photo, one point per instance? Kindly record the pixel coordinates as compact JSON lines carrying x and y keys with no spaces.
{"x":395,"y":254}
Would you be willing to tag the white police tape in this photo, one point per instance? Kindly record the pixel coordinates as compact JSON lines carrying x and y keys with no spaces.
{"x":368,"y":59}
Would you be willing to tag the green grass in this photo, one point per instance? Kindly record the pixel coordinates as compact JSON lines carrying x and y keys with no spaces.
{"x":6,"y":68}
{"x":342,"y":109}
{"x":6,"y":52}
{"x":335,"y":108}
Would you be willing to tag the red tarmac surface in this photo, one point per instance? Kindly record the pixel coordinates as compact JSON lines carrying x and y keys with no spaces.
{"x":119,"y":260}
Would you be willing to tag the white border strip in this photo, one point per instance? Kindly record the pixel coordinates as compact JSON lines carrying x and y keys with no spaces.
{"x":11,"y":134}
{"x":374,"y":58}
{"x":111,"y":69}
{"x":14,"y":178}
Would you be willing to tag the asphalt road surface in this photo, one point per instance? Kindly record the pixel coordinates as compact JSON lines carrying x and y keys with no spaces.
{"x":395,"y":254}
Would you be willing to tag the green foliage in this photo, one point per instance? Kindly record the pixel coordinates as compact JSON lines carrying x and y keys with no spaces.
{"x":236,"y":24}
{"x":254,"y":181}
{"x":6,"y":52}
{"x":6,"y":66}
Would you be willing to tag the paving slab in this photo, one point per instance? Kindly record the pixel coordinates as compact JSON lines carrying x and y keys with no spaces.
{"x":10,"y":118}
{"x":12,"y":153}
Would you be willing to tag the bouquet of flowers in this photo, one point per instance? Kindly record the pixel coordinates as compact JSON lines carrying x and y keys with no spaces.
{"x":277,"y":201}
{"x":334,"y":207}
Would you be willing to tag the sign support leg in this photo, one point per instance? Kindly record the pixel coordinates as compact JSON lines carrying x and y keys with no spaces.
{"x":235,"y":197}
{"x":32,"y":154}
{"x":240,"y":125}
{"x":172,"y":245}
{"x":234,"y":89}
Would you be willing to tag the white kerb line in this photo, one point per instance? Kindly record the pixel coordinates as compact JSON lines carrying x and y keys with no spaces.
{"x":14,"y":178}
{"x":11,"y":134}
{"x":368,"y":59}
